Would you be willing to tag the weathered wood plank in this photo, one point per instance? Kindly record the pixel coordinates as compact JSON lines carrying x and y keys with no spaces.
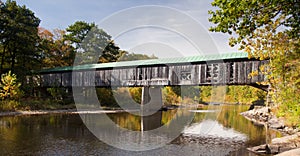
{"x":236,"y":72}
{"x":248,"y":72}
{"x":165,"y":73}
{"x":115,"y":77}
{"x":154,"y":73}
{"x":203,"y":73}
{"x":67,"y":79}
{"x":107,"y":77}
{"x":255,"y":66}
{"x":89,"y":78}
{"x":98,"y":80}
{"x":195,"y":74}
{"x":174,"y":76}
{"x":77,"y":79}
{"x":241,"y":73}
{"x":54,"y":79}
{"x":222,"y":71}
{"x":227,"y":72}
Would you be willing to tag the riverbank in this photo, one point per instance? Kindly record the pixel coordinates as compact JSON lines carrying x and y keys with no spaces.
{"x":263,"y":116}
{"x":75,"y":111}
{"x":67,"y":111}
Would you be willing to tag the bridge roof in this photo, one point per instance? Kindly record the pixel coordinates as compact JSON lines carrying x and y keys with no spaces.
{"x":178,"y":60}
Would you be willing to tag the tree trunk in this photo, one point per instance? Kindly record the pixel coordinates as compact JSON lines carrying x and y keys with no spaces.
{"x":2,"y":59}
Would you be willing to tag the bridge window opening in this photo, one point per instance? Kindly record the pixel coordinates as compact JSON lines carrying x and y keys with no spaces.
{"x":208,"y":73}
{"x":146,"y":73}
{"x":140,"y":74}
{"x":215,"y":72}
{"x":231,"y":72}
{"x":212,"y":73}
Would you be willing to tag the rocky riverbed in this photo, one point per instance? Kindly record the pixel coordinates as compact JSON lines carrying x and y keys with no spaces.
{"x":264,"y":116}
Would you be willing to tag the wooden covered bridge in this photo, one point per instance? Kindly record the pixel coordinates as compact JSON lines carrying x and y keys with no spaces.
{"x":218,"y":69}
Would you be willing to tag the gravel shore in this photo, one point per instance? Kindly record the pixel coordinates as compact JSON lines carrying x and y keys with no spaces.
{"x":67,"y":111}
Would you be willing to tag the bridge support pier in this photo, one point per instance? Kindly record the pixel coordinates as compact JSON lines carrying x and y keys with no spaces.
{"x":151,"y":122}
{"x":151,"y":104}
{"x":151,"y":96}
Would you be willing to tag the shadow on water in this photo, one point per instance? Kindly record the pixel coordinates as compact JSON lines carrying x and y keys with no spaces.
{"x":222,"y":132}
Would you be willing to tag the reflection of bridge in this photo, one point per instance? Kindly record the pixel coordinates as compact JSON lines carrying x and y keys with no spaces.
{"x":220,"y":69}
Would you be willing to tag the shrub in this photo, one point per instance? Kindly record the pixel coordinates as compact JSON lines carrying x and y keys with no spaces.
{"x":57,"y":93}
{"x":9,"y":91}
{"x":9,"y":87}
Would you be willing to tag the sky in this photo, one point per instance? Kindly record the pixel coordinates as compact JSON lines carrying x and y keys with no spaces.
{"x":169,"y":28}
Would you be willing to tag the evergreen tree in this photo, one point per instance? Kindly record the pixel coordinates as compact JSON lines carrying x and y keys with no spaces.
{"x":18,"y":39}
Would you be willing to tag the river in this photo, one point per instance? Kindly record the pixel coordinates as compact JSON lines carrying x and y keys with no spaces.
{"x":213,"y":130}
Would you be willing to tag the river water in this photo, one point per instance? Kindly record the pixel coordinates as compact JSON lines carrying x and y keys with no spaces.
{"x":212,"y":130}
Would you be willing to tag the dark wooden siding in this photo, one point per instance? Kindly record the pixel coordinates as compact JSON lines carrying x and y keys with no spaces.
{"x":67,"y":79}
{"x":53,"y":79}
{"x":230,"y":73}
{"x":77,"y":78}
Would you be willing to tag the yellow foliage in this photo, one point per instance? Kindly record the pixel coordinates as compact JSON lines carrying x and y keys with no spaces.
{"x":283,"y":70}
{"x":9,"y":87}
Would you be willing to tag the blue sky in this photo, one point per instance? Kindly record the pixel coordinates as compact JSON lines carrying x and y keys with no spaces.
{"x":163,"y":28}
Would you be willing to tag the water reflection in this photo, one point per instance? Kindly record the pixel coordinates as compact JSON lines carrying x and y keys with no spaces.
{"x":211,"y":128}
{"x":136,"y":133}
{"x":67,"y":135}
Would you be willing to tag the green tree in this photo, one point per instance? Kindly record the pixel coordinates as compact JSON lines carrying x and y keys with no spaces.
{"x":245,"y":16}
{"x":77,"y":32}
{"x":267,"y":30}
{"x":92,"y":44}
{"x":57,"y":93}
{"x":111,"y":53}
{"x":106,"y":97}
{"x":126,"y":56}
{"x":18,"y":39}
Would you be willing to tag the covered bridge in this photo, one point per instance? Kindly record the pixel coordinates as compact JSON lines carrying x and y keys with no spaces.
{"x":216,"y":69}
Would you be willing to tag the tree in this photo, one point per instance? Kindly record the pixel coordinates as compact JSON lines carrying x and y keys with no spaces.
{"x":18,"y":39}
{"x":245,"y":16}
{"x":77,"y":32}
{"x":111,"y":53}
{"x":267,"y":29}
{"x":56,"y":52}
{"x":133,"y":56}
{"x":9,"y":87}
{"x":92,"y":43}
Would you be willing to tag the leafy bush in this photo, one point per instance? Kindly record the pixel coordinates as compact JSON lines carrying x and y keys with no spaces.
{"x":234,"y":94}
{"x":136,"y":94}
{"x":9,"y":86}
{"x":169,"y":96}
{"x":9,"y":91}
{"x":106,"y":97}
{"x":57,"y":93}
{"x":9,"y":105}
